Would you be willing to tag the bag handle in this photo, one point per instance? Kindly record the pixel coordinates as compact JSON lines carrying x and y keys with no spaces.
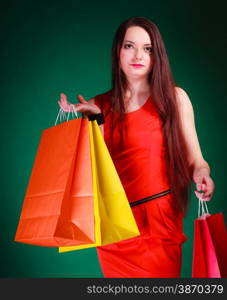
{"x":62,"y":113}
{"x":203,"y":206}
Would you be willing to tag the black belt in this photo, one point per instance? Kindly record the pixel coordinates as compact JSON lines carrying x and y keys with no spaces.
{"x":150,"y":198}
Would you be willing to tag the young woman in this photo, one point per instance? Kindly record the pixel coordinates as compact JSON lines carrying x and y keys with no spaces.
{"x":149,"y":129}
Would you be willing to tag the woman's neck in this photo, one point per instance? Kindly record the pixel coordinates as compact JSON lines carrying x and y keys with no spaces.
{"x":137,"y":89}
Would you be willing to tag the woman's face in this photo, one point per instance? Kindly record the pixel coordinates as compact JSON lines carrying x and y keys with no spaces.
{"x":136,"y":57}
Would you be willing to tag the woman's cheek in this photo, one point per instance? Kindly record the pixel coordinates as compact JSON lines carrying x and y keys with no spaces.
{"x":123,"y":61}
{"x":122,"y":57}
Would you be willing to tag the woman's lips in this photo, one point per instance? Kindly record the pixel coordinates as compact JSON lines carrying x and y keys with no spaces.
{"x":137,"y":65}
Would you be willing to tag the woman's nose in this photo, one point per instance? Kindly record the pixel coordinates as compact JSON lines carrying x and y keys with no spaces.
{"x":138,"y":54}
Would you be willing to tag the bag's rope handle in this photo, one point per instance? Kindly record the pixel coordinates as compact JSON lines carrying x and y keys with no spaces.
{"x":203,"y":205}
{"x":74,"y":110}
{"x":62,"y":115}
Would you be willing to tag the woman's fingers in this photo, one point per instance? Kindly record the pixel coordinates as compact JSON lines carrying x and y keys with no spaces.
{"x":81,"y":99}
{"x":202,"y":197}
{"x":65,"y":106}
{"x":208,"y":187}
{"x":63,"y":98}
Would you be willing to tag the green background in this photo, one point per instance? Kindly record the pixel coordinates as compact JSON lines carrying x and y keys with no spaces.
{"x":65,"y":46}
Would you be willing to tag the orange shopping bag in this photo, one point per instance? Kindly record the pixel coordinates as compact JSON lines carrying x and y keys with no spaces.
{"x":58,"y":205}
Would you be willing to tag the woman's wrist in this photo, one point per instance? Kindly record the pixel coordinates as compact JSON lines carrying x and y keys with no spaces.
{"x":99,"y":117}
{"x":201,"y":171}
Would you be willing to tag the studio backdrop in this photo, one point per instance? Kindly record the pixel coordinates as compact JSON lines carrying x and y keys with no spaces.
{"x":53,"y":47}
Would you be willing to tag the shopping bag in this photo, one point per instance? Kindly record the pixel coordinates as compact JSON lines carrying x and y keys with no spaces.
{"x":218,"y":232}
{"x":58,"y":205}
{"x":210,"y":245}
{"x":114,"y":220}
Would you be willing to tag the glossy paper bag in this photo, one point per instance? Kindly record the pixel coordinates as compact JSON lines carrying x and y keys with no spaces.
{"x":58,"y":205}
{"x":114,"y":220}
{"x":210,"y":246}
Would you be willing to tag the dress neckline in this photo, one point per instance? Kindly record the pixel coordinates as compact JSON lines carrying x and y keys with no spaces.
{"x":138,"y":109}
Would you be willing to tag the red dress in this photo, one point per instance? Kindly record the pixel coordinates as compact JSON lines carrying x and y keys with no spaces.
{"x":141,"y":166}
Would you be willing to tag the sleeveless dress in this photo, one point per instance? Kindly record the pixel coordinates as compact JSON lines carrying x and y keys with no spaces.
{"x":141,"y":166}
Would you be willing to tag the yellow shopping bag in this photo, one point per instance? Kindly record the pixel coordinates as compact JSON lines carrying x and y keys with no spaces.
{"x":114,"y":220}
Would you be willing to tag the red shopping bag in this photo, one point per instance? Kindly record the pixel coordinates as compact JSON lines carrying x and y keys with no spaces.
{"x":58,"y":205}
{"x":210,"y":245}
{"x":218,"y":233}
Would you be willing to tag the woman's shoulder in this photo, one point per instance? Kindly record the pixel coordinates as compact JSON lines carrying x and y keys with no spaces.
{"x":183,"y":99}
{"x":180,"y":91}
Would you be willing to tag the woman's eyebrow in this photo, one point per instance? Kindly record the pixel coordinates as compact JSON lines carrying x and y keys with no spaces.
{"x":134,"y":43}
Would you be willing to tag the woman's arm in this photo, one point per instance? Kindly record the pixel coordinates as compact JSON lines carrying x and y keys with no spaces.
{"x":200,"y":170}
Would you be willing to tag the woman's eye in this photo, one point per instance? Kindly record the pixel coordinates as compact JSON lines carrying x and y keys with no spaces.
{"x":149,"y":49}
{"x":126,"y":46}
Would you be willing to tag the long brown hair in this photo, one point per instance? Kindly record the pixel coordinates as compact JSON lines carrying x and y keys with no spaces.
{"x":162,"y":90}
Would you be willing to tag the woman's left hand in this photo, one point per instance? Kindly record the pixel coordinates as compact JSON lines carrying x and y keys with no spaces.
{"x":203,"y":183}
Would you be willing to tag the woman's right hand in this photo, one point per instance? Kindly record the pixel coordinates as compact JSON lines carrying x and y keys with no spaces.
{"x":85,"y":107}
